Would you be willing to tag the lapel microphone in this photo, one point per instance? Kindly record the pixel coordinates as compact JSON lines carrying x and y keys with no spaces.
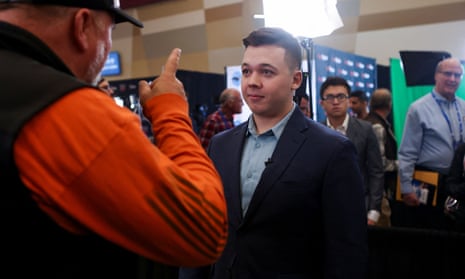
{"x":268,"y":162}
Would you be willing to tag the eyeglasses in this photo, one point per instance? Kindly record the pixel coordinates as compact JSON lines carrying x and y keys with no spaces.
{"x":331,"y":98}
{"x":450,"y":74}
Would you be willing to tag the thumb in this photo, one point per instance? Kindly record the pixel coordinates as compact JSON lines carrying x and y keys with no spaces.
{"x":144,"y":90}
{"x":172,"y":63}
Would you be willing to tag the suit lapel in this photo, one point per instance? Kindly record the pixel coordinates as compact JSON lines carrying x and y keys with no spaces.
{"x":232,"y":180}
{"x":288,"y":145}
{"x":350,"y":133}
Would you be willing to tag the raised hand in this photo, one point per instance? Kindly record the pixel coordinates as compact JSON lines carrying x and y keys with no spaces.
{"x":166,"y":82}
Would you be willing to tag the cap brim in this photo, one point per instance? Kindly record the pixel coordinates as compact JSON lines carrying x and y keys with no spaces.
{"x":121,"y":16}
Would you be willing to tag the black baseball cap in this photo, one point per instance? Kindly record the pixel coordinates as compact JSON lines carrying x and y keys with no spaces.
{"x":112,"y":6}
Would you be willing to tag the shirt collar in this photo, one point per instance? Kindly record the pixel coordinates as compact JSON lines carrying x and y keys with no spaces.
{"x":21,"y":41}
{"x":440,"y":98}
{"x":276,"y":130}
{"x":343,"y":127}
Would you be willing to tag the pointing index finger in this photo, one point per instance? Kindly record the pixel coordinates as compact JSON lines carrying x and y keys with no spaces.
{"x":172,"y":62}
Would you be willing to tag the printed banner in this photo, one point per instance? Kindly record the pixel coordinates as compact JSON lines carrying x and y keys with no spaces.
{"x":359,"y":71}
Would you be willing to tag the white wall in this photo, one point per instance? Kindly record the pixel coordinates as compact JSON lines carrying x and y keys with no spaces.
{"x":385,"y":44}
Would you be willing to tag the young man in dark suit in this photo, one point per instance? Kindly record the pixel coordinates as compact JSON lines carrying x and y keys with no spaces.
{"x":293,"y":187}
{"x":334,"y":98}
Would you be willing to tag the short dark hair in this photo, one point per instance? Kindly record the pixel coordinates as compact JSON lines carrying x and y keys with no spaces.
{"x":361,"y":95}
{"x":334,"y":81}
{"x":278,"y":37}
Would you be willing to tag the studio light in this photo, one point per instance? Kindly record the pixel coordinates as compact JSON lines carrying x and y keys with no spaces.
{"x":303,"y":18}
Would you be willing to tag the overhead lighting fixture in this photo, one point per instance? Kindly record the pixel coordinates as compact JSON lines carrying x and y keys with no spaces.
{"x":303,"y":18}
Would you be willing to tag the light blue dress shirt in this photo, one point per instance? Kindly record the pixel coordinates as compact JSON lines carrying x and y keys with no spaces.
{"x":258,"y":150}
{"x":428,"y":139}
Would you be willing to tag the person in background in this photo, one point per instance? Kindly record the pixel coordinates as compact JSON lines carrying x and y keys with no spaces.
{"x":380,"y":108}
{"x":134,"y":106}
{"x":85,"y":193}
{"x":304,"y":105}
{"x":104,"y":84}
{"x":454,"y":206}
{"x":293,"y":187}
{"x":434,"y":128}
{"x":334,"y":94}
{"x":358,"y":104}
{"x":198,"y":116}
{"x":222,"y":119}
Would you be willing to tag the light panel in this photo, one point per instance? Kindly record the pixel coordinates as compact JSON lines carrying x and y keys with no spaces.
{"x":303,"y":18}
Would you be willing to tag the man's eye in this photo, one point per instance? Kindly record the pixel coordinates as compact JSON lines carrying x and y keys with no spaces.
{"x":267,"y":72}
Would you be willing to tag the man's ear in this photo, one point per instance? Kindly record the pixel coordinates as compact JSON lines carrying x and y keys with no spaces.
{"x":81,"y":25}
{"x":296,"y":80}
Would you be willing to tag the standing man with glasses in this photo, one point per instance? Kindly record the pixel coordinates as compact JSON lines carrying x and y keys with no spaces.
{"x":434,"y":127}
{"x":334,"y":94}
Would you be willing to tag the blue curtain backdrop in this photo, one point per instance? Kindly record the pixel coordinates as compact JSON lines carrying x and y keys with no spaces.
{"x":359,"y":71}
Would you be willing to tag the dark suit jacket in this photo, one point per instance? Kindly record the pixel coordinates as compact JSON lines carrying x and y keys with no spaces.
{"x":307,"y":216}
{"x":361,"y":134}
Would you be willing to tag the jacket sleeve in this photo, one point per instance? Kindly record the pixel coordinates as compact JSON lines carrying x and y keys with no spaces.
{"x":409,"y":150}
{"x":375,"y":171}
{"x":345,"y":236}
{"x":93,"y":170}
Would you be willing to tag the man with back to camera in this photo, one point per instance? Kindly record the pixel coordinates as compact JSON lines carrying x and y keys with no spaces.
{"x":88,"y":194}
{"x":433,"y":129}
{"x":380,"y":108}
{"x":334,"y":95}
{"x":293,"y":187}
{"x":223,"y":118}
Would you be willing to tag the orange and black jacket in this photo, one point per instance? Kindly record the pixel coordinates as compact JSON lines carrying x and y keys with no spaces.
{"x":84,"y":191}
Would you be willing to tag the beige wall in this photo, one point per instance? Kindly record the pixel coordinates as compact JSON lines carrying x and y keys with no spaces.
{"x":210,"y":32}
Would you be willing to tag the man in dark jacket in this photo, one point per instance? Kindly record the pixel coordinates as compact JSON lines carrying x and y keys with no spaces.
{"x":334,"y":95}
{"x":380,"y":108}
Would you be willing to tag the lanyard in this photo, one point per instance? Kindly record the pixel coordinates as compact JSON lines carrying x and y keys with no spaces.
{"x":227,"y":123}
{"x":455,"y":143}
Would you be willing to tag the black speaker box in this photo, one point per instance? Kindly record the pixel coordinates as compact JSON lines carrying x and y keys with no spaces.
{"x":419,"y":66}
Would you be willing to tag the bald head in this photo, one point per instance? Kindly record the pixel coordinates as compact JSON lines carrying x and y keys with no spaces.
{"x":231,"y":101}
{"x":228,"y":94}
{"x":381,"y":99}
{"x":448,"y":62}
{"x":447,"y":77}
